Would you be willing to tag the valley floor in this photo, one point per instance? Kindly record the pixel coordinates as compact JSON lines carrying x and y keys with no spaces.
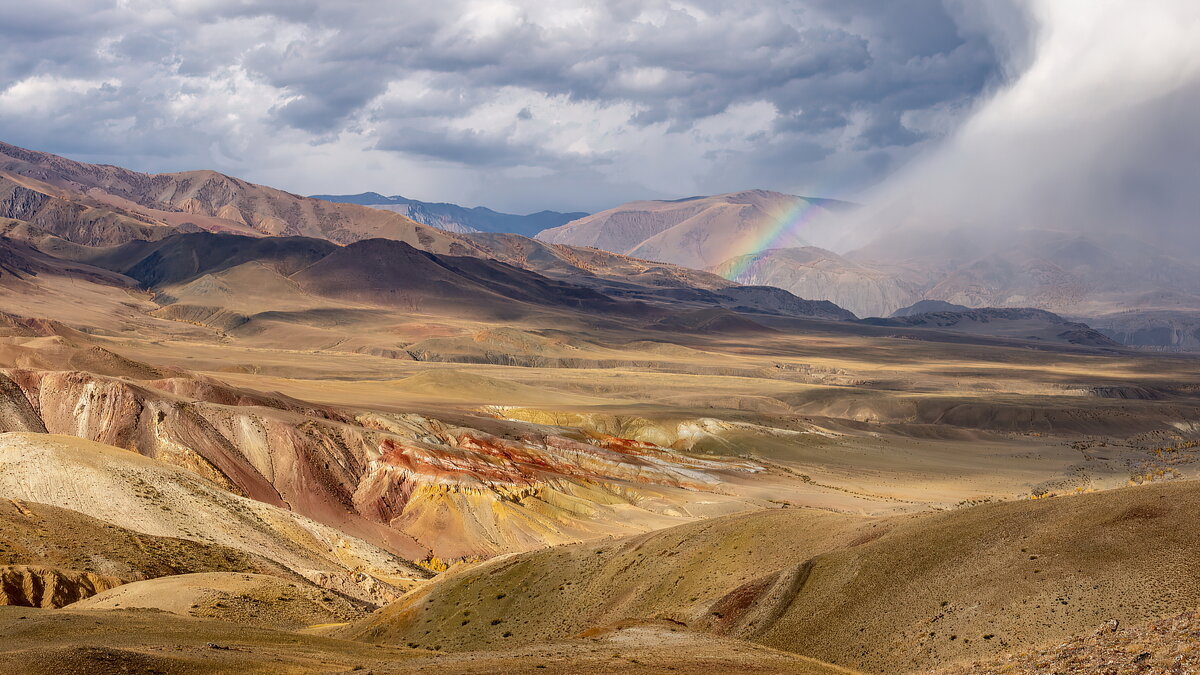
{"x":310,"y":490}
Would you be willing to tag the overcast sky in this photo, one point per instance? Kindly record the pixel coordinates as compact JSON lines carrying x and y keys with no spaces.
{"x":517,"y":105}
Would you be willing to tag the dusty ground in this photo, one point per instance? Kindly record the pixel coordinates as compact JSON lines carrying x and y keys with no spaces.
{"x":141,"y":641}
{"x":869,"y":419}
{"x":1170,"y":646}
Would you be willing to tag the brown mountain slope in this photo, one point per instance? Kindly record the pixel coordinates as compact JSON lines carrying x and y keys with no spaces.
{"x":593,"y":266}
{"x":20,"y":262}
{"x":184,"y":257}
{"x":40,"y":288}
{"x":621,"y":276}
{"x":699,"y":232}
{"x":897,"y":594}
{"x":74,"y":216}
{"x":206,"y":200}
{"x":392,"y":273}
{"x":377,"y":272}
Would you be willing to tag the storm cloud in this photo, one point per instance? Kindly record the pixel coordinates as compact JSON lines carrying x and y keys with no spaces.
{"x":1096,"y":133}
{"x":519,"y":105}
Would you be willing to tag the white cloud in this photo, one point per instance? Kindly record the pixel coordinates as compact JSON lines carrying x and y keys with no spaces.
{"x":45,"y":94}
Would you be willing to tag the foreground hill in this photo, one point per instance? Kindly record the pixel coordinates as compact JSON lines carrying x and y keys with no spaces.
{"x":697,"y":232}
{"x":1170,"y":644}
{"x":52,"y":556}
{"x":895,"y":594}
{"x":45,"y":642}
{"x":455,"y":218}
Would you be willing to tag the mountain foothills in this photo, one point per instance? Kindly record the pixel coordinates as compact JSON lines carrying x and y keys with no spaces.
{"x":1133,"y":292}
{"x":455,"y":218}
{"x":247,"y":431}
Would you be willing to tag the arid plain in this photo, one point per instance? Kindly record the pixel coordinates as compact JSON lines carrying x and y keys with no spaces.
{"x":402,"y":449}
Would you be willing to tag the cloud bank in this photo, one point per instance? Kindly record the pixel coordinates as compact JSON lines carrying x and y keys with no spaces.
{"x":519,"y":105}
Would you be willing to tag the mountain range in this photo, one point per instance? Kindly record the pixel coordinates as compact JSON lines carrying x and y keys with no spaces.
{"x":1132,"y":291}
{"x":455,"y":218}
{"x":1123,"y":287}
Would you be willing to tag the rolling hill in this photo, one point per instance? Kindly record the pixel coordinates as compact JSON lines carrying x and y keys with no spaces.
{"x":958,"y":586}
{"x":53,"y":556}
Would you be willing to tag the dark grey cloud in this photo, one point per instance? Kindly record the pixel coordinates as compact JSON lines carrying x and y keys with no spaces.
{"x":657,"y":96}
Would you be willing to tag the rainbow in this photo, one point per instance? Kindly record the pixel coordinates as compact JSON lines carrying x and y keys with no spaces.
{"x":781,"y":231}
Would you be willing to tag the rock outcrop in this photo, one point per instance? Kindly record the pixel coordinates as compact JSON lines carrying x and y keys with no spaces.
{"x":34,"y":586}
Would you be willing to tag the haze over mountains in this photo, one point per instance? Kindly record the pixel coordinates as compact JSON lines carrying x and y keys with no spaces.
{"x":455,"y":218}
{"x":1136,"y":292}
{"x":697,"y":232}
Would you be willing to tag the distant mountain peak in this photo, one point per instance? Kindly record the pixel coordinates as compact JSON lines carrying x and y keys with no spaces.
{"x":698,"y":232}
{"x":455,"y":218}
